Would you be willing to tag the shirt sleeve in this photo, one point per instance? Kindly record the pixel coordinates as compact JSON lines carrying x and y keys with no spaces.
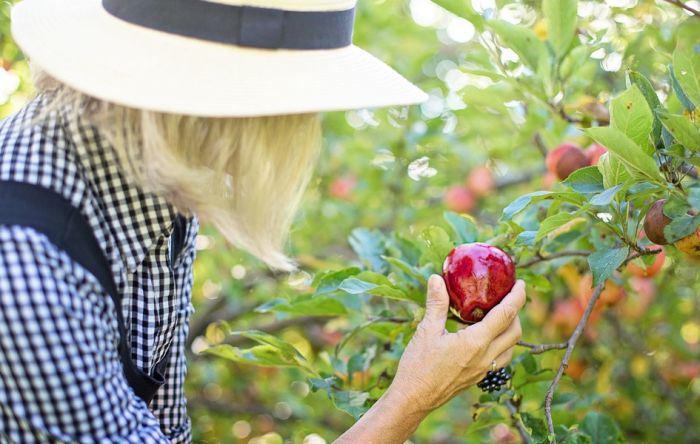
{"x":169,"y":404}
{"x":61,"y":379}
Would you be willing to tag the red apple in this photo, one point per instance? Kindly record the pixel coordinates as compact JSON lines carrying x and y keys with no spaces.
{"x":565,"y":159}
{"x":594,"y":152}
{"x":341,"y":188}
{"x":566,"y":314}
{"x":655,"y":221}
{"x":480,"y":181}
{"x":478,"y":276}
{"x":459,"y":199}
{"x":611,"y":295}
{"x":638,"y":268}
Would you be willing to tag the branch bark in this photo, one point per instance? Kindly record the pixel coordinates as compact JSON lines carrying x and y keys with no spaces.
{"x":571,"y":343}
{"x":682,"y":5}
{"x":536,"y":349}
{"x":560,"y":254}
{"x":515,"y":420}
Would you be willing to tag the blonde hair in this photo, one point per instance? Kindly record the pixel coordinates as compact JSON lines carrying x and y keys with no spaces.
{"x":246,"y":176}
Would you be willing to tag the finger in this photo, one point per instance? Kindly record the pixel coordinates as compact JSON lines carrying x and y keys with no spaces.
{"x":504,"y":358}
{"x":507,"y":339}
{"x":500,"y":317}
{"x":436,"y":306}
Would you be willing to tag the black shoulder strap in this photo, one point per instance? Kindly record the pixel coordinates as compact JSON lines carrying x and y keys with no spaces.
{"x":64,"y":225}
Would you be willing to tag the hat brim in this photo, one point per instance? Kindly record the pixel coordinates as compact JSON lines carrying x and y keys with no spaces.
{"x":80,"y":44}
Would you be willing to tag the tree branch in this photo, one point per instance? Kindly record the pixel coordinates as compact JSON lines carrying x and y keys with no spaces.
{"x":514,"y":410}
{"x":539,"y":258}
{"x":682,"y":5}
{"x":536,"y":349}
{"x":571,"y":343}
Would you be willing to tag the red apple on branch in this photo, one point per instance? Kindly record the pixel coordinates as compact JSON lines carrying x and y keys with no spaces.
{"x":565,"y":159}
{"x":478,"y":276}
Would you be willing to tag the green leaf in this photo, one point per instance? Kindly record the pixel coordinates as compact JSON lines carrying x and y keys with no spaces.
{"x":520,"y":39}
{"x":353,"y":285}
{"x":437,"y":246}
{"x":386,"y":291}
{"x":681,"y":128}
{"x":521,"y":203}
{"x":601,"y":428}
{"x":680,"y":94}
{"x":463,"y":9}
{"x":652,"y":99}
{"x":536,"y":427}
{"x":261,"y":337}
{"x":631,"y":115}
{"x":370,"y":247}
{"x":329,"y":282}
{"x":552,"y":223}
{"x":463,"y":227}
{"x":351,"y":402}
{"x":694,"y":197}
{"x":585,"y":180}
{"x":681,"y":227}
{"x":604,"y":263}
{"x":312,"y":305}
{"x":613,"y":171}
{"x":529,"y":363}
{"x":261,"y":355}
{"x":561,"y":24}
{"x":606,"y":197}
{"x":637,"y":162}
{"x":686,"y":64}
{"x":406,"y":268}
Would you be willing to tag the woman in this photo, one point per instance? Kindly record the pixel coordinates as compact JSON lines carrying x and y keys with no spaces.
{"x":151,"y":112}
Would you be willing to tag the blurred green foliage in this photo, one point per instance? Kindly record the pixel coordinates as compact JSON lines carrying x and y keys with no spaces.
{"x":508,"y":81}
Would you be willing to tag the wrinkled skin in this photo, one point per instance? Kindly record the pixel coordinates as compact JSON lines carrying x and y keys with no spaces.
{"x":478,"y":276}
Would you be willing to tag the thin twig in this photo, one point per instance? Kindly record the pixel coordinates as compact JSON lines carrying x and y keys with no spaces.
{"x":536,"y":349}
{"x":640,"y":253}
{"x":539,"y":258}
{"x":515,"y":420}
{"x":539,"y":143}
{"x":682,"y":5}
{"x":571,"y":343}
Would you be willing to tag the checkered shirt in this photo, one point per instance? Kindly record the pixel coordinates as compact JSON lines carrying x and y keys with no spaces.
{"x":61,"y":378}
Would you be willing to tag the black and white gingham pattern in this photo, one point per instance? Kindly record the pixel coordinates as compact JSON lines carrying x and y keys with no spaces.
{"x":60,"y":374}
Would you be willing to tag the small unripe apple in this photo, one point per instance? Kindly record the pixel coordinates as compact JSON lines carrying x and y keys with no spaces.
{"x":655,"y":221}
{"x":478,"y":276}
{"x":480,"y":181}
{"x":594,"y":152}
{"x":459,"y":199}
{"x":638,"y":268}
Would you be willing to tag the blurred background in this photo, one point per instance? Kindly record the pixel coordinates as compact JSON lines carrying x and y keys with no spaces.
{"x":476,"y":145}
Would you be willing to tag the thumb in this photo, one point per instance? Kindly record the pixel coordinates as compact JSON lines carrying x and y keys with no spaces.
{"x":436,"y":306}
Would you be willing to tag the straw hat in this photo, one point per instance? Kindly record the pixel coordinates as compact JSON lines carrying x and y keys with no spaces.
{"x":220,"y":58}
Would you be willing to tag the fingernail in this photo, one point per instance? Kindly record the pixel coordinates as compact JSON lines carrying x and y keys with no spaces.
{"x":434,"y":282}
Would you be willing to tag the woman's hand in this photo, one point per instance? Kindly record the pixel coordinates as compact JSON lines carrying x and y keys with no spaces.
{"x":437,"y":365}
